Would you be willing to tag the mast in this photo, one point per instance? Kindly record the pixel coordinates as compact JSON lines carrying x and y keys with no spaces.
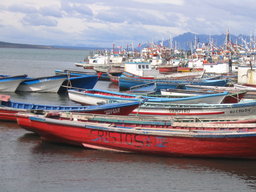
{"x":227,"y":40}
{"x":195,"y":43}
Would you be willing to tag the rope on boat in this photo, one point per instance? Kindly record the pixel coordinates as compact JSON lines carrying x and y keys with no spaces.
{"x":69,"y":82}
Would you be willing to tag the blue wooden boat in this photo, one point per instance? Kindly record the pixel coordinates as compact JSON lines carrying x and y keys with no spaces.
{"x":84,"y":82}
{"x":79,"y":79}
{"x":9,"y":108}
{"x":11,"y":83}
{"x":96,"y":96}
{"x":126,"y":82}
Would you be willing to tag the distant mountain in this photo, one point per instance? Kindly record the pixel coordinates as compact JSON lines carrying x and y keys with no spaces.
{"x":17,"y":45}
{"x":186,"y":40}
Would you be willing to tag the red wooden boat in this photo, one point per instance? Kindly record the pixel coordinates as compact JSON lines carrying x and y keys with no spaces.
{"x":218,"y":140}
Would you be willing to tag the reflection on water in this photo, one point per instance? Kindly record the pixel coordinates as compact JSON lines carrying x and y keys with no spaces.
{"x":29,"y":138}
{"x":92,"y":169}
{"x":42,"y":98}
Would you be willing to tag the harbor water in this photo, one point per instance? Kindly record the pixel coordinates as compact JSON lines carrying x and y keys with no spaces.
{"x":28,"y":164}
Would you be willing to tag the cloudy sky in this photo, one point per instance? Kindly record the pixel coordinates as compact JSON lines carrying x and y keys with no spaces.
{"x":104,"y":22}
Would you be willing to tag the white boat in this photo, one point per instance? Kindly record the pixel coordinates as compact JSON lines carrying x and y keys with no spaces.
{"x":11,"y":83}
{"x":102,"y":61}
{"x":147,"y":70}
{"x":43,"y":84}
{"x":197,"y":110}
{"x":95,"y":97}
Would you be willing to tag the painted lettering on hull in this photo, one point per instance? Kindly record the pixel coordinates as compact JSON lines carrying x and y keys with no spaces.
{"x":112,"y":111}
{"x":246,"y":110}
{"x":128,"y":139}
{"x":179,"y":110}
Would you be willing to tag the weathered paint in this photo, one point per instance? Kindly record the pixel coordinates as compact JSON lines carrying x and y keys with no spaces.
{"x":227,"y":144}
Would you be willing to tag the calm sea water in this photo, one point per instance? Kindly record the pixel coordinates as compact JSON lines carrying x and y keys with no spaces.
{"x":28,"y":164}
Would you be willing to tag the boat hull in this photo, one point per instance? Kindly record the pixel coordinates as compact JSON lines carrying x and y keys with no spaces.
{"x":189,"y":144}
{"x":11,"y":109}
{"x":198,"y":110}
{"x":231,"y":97}
{"x":10,"y":84}
{"x":83,"y":99}
{"x":95,"y":97}
{"x":47,"y":84}
{"x":128,"y":82}
{"x":84,"y":82}
{"x":9,"y":114}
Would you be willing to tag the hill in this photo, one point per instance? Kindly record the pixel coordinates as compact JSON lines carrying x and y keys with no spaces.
{"x":17,"y":45}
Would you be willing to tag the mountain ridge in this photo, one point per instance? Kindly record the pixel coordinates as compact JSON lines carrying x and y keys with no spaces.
{"x":183,"y":41}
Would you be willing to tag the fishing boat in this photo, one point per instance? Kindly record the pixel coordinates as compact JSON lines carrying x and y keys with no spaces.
{"x":126,"y":82}
{"x":10,"y":83}
{"x":183,"y":92}
{"x":140,"y":120}
{"x":147,"y":70}
{"x":9,"y":108}
{"x":83,"y":81}
{"x":102,"y":60}
{"x":211,"y":140}
{"x":79,"y":79}
{"x":250,"y":91}
{"x":96,"y":96}
{"x":43,"y":84}
{"x":147,"y":121}
{"x":58,"y":83}
{"x":197,"y":110}
{"x":232,"y":97}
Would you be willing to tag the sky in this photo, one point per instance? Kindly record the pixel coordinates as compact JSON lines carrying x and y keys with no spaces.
{"x":102,"y":23}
